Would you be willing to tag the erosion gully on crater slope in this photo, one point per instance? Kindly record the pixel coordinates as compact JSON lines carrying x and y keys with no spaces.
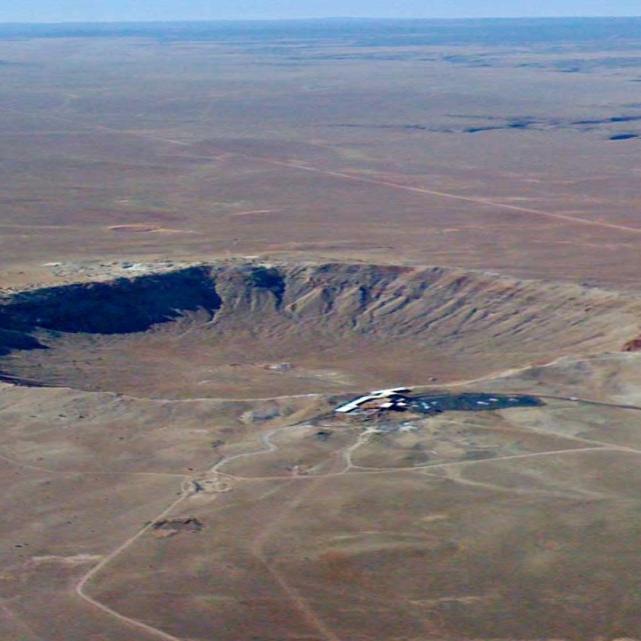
{"x":251,"y":330}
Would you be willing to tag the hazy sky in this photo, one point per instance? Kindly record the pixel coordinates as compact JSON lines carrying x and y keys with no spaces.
{"x":94,"y":10}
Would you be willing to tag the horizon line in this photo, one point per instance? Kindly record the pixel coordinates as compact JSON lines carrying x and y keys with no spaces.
{"x":309,"y":19}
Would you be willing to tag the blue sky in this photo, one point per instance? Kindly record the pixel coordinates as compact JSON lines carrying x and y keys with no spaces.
{"x":110,"y":10}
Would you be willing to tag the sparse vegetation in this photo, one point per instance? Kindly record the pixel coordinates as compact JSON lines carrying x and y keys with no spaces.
{"x":212,"y":235}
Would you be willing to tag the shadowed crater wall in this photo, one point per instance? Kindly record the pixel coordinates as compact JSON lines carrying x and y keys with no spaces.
{"x":118,"y":307}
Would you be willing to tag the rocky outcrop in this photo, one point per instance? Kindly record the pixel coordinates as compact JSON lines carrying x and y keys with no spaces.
{"x":633,"y":346}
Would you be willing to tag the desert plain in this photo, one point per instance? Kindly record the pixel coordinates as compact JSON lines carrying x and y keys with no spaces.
{"x":212,"y":236}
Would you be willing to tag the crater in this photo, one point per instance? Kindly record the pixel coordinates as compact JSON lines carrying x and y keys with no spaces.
{"x":252,"y":330}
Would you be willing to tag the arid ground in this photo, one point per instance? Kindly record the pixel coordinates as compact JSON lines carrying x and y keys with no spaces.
{"x":213,"y":235}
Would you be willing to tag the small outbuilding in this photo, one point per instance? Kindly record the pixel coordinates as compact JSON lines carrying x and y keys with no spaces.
{"x":392,"y":399}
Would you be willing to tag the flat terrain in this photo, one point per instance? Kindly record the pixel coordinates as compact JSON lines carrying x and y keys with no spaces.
{"x":475,"y":525}
{"x":213,"y":235}
{"x":433,"y":146}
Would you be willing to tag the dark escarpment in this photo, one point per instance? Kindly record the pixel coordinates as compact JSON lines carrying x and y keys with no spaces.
{"x":243,"y":329}
{"x":117,"y":307}
{"x":121,"y":306}
{"x":633,"y":345}
{"x":16,"y":340}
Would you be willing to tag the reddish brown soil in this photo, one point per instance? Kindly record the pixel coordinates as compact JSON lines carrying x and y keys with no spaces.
{"x":633,"y":346}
